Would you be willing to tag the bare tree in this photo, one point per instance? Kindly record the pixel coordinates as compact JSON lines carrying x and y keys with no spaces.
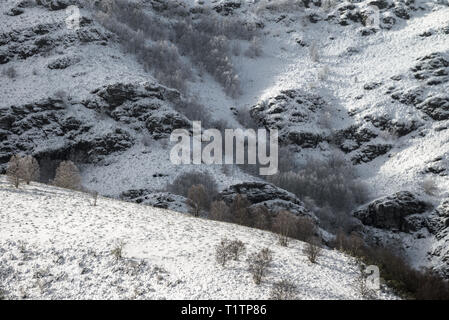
{"x":283,"y":225}
{"x":313,"y":249}
{"x":30,"y":169}
{"x":197,"y":199}
{"x":305,"y":228}
{"x":262,"y":217}
{"x":67,"y":176}
{"x":14,"y":170}
{"x":220,"y":211}
{"x":240,"y":210}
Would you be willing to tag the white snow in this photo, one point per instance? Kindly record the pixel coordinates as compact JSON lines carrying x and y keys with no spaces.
{"x":54,"y":244}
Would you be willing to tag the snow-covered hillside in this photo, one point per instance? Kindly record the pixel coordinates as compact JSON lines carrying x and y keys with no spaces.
{"x":54,"y":244}
{"x":317,"y":71}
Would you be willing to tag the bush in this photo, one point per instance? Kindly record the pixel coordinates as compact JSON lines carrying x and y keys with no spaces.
{"x":236,"y":248}
{"x":222,"y":253}
{"x":117,"y":252}
{"x":313,"y":249}
{"x":67,"y":176}
{"x":197,"y":199}
{"x":258,"y":264}
{"x":30,"y":169}
{"x":14,"y":170}
{"x":283,"y":290}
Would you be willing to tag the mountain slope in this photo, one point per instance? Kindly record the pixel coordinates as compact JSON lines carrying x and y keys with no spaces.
{"x":55,"y":244}
{"x":321,"y":74}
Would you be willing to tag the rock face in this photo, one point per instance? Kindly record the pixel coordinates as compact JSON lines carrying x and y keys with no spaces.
{"x":296,"y":114}
{"x":398,"y":212}
{"x":439,"y":227}
{"x":141,"y":107}
{"x":265,"y":194}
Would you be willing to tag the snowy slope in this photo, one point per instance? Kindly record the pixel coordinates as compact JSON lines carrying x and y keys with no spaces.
{"x":55,"y":245}
{"x":348,"y":63}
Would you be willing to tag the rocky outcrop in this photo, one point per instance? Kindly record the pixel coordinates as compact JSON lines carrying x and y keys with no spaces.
{"x":352,"y":138}
{"x":434,"y":68}
{"x":398,"y":212}
{"x":296,"y":114}
{"x":63,"y":62}
{"x":164,"y":200}
{"x":141,"y":107}
{"x":264,"y":194}
{"x":44,"y":37}
{"x":227,"y":8}
{"x":398,"y":127}
{"x":370,"y":152}
{"x":437,"y":107}
{"x":148,"y":103}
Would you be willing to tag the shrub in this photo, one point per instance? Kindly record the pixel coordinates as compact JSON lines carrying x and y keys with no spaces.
{"x":197,"y":199}
{"x":283,"y":290}
{"x":14,"y":170}
{"x":117,"y":252}
{"x":312,"y":249}
{"x":67,"y":176}
{"x":222,"y":253}
{"x":236,"y":248}
{"x":30,"y":169}
{"x":258,"y":264}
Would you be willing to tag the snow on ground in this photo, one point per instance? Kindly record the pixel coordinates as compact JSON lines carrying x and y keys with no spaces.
{"x":54,"y":244}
